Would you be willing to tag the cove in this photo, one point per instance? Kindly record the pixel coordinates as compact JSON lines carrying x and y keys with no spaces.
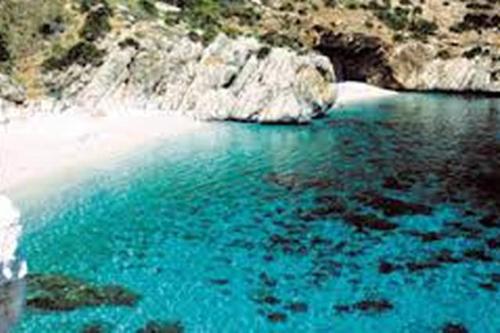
{"x":381,"y":217}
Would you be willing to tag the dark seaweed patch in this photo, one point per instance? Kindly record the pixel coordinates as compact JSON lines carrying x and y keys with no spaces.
{"x":490,"y":221}
{"x":62,"y":293}
{"x":297,"y":307}
{"x":390,"y":206}
{"x":386,"y":267}
{"x":369,"y":221}
{"x":277,"y":317}
{"x":427,"y":237}
{"x":368,"y":306}
{"x":327,"y":206}
{"x":478,"y":255}
{"x":454,"y":328}
{"x":162,"y":327}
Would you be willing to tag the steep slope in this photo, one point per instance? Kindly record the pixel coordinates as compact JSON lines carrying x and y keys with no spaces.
{"x":398,"y":44}
{"x":402,"y":44}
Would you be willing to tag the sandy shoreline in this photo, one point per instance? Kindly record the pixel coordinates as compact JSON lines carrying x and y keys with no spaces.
{"x":42,"y":144}
{"x":45,"y":144}
{"x":354,"y":92}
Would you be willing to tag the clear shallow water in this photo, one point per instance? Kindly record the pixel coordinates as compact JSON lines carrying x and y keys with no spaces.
{"x":260,"y":229}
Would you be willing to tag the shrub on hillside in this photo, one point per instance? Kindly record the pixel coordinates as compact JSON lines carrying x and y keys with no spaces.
{"x":422,"y":28}
{"x":394,"y":19}
{"x":148,"y":7}
{"x":4,"y":48}
{"x":87,"y":5}
{"x":83,"y":53}
{"x":97,"y":24}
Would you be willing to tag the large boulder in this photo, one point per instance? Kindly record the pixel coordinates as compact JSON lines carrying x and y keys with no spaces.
{"x":10,"y":232}
{"x":12,"y":269}
{"x":243,"y":80}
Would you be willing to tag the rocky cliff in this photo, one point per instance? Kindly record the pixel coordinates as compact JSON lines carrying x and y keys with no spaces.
{"x":238,"y":79}
{"x":230,"y":79}
{"x":147,"y":65}
{"x":413,"y":45}
{"x":264,"y":61}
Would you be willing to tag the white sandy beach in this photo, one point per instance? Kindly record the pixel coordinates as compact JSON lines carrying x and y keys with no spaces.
{"x":44,"y":144}
{"x":354,"y":92}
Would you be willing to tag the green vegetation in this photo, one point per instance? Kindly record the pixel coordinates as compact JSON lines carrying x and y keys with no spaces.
{"x":407,"y":18}
{"x":281,"y":40}
{"x":396,"y":19}
{"x":210,"y":17}
{"x":21,"y":21}
{"x":129,"y":42}
{"x":148,"y":7}
{"x":97,"y":23}
{"x":43,"y":35}
{"x":4,"y":51}
{"x":87,"y":5}
{"x":83,"y":53}
{"x":422,"y":28}
{"x":204,"y":15}
{"x":476,"y":21}
{"x":474,"y":52}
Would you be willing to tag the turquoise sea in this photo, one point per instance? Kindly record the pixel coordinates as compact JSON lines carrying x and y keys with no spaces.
{"x":382,"y":217}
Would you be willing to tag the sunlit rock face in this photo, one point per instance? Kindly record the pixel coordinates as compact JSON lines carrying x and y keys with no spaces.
{"x":12,"y":268}
{"x":229,"y":79}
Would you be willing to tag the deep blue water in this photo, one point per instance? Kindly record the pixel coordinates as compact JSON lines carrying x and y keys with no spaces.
{"x":247,"y":228}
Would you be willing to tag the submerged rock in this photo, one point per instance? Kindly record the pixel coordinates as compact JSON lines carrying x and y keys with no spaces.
{"x":277,"y":317}
{"x":391,"y":206}
{"x":427,"y":237}
{"x":62,"y":293}
{"x":436,"y":260}
{"x":297,"y":307}
{"x":369,"y":306}
{"x":493,"y":243}
{"x":328,"y":206}
{"x":395,"y":183}
{"x":454,"y":328}
{"x":162,"y":327}
{"x":386,"y":267}
{"x":369,"y":221}
{"x":477,"y":254}
{"x":97,"y":327}
{"x":490,"y":221}
{"x":488,"y":286}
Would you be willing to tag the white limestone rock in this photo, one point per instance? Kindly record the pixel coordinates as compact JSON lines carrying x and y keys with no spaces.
{"x":230,"y":79}
{"x":11,"y":268}
{"x":417,"y":67}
